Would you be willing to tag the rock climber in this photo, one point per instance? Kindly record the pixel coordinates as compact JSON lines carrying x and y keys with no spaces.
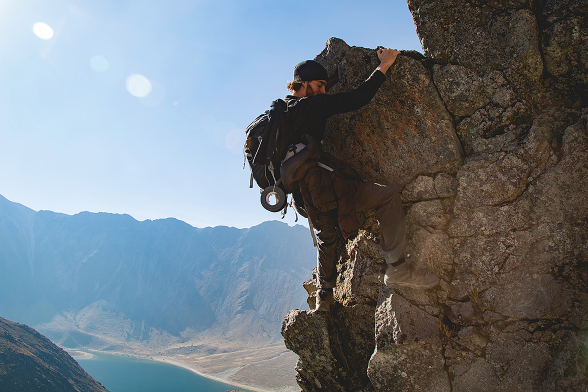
{"x":332,"y":192}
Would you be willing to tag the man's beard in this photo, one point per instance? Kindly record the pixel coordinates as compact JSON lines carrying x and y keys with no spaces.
{"x":309,"y":91}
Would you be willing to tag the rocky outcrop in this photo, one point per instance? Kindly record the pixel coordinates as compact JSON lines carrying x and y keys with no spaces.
{"x":30,"y":362}
{"x":486,"y":138}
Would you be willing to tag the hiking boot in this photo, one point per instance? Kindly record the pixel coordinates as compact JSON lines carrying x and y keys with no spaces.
{"x":324,"y":298}
{"x":402,"y":275}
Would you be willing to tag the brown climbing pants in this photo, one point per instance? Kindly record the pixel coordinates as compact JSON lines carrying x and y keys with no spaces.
{"x":385,"y":200}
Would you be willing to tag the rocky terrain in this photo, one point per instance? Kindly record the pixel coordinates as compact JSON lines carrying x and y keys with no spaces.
{"x":30,"y":362}
{"x":486,"y":138}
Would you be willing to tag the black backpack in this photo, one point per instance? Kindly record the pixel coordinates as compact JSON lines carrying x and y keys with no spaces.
{"x":268,"y":139}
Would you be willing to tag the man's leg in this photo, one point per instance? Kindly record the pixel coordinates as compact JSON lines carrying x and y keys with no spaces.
{"x":327,"y":233}
{"x":388,"y":205}
{"x":385,"y":200}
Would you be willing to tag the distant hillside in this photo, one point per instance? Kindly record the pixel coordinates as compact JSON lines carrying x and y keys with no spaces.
{"x":109,"y":281}
{"x":30,"y":362}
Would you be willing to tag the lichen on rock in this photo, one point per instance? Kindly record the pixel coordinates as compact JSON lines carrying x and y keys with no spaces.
{"x":486,"y":138}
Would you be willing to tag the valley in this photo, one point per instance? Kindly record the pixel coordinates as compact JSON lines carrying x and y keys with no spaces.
{"x":212,"y":299}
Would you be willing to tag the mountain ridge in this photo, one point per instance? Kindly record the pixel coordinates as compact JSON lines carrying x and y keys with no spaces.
{"x":158,"y":281}
{"x":29,"y":361}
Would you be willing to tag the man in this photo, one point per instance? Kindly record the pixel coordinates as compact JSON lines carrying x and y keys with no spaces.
{"x":332,"y":191}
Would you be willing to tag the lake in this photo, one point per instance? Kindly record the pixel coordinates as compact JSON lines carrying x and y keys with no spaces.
{"x":126,"y":374}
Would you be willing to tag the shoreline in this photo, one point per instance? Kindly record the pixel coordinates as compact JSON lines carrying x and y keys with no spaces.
{"x":211,"y":377}
{"x":87,"y":355}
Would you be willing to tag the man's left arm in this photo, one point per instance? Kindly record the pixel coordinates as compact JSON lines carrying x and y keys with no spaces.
{"x":387,"y":58}
{"x":329,"y":105}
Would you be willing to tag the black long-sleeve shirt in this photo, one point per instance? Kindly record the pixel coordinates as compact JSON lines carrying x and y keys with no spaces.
{"x":309,"y":115}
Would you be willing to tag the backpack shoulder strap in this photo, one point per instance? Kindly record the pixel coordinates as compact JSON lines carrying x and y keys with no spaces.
{"x":277,"y":120}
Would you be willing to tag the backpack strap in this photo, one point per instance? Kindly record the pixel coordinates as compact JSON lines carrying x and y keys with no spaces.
{"x":311,"y":227}
{"x":277,"y":121}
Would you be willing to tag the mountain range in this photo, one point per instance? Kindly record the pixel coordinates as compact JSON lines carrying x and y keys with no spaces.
{"x":108,"y":281}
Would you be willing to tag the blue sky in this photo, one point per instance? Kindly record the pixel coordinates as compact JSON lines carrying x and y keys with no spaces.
{"x":73,"y":138}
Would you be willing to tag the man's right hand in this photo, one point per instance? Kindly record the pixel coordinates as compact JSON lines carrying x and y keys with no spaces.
{"x":387,"y":58}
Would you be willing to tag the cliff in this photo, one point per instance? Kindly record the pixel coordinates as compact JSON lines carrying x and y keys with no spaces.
{"x":30,"y":362}
{"x":486,"y":138}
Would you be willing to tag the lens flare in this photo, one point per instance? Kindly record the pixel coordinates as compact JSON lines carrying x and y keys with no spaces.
{"x":99,"y":63}
{"x":42,"y":30}
{"x":234,"y":141}
{"x":138,"y":85}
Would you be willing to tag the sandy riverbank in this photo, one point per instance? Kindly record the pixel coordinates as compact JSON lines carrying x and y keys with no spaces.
{"x":226,"y":376}
{"x":215,"y":378}
{"x":77,"y":354}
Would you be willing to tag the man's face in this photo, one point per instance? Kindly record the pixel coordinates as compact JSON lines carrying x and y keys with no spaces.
{"x":315,"y":87}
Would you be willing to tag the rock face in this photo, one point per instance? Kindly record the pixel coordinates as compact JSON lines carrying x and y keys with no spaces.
{"x":30,"y":362}
{"x":486,"y":138}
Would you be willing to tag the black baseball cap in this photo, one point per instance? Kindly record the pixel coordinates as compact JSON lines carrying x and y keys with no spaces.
{"x":309,"y":70}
